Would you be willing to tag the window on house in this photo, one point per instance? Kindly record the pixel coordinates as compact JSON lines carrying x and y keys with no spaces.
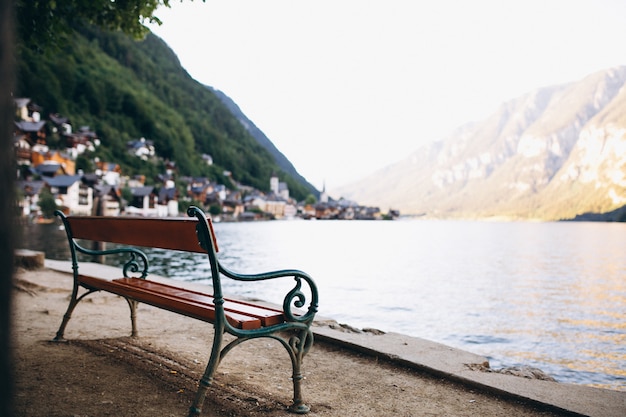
{"x":83,"y":196}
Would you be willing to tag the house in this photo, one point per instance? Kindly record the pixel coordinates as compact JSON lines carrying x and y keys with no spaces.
{"x":60,"y":123}
{"x":28,"y":192}
{"x":275,"y":208}
{"x":26,"y":110}
{"x":22,"y":148}
{"x":279,"y":209}
{"x":49,"y":169}
{"x":308,"y":211}
{"x":34,"y":131}
{"x":170,"y":167}
{"x":168,"y":200}
{"x":279,"y":188}
{"x":290,"y":211}
{"x":208,"y":159}
{"x":110,"y":172}
{"x":21,"y":106}
{"x":143,"y":202}
{"x":67,"y":163}
{"x":232,"y":208}
{"x":220,"y":190}
{"x":368,"y":213}
{"x":83,"y":140}
{"x":107,"y":200}
{"x":71,"y":193}
{"x":141,"y":148}
{"x":199,"y":189}
{"x":255,"y":201}
{"x":326,"y":211}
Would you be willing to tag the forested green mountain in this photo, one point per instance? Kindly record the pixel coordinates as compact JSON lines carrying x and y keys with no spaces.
{"x":125,"y":89}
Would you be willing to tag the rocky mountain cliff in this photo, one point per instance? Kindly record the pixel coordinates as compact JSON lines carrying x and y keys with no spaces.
{"x":554,"y":153}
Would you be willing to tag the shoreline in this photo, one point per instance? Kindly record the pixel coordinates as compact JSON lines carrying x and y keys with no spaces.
{"x":442,"y":362}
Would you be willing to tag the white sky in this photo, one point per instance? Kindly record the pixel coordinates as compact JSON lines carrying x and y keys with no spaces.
{"x":346,"y":87}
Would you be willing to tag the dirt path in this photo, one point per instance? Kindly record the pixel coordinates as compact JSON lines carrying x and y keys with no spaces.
{"x":103,"y":372}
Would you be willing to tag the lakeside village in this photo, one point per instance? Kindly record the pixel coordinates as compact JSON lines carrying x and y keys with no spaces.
{"x":47,"y":180}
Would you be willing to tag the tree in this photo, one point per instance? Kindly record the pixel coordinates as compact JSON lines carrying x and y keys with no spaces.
{"x":45,"y":22}
{"x":215,"y":209}
{"x":127,"y":195}
{"x":84,"y":164}
{"x":47,"y":203}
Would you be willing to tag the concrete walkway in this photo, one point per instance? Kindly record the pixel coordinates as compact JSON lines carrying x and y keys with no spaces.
{"x":444,"y":361}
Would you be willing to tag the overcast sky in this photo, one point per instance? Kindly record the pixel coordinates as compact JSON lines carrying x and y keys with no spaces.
{"x":346,"y":87}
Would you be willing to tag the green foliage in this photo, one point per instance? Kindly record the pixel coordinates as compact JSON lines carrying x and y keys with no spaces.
{"x":47,"y":22}
{"x":126,"y":89}
{"x":310,"y":199}
{"x":215,"y":210}
{"x":84,"y":164}
{"x":47,"y":203}
{"x":127,"y":195}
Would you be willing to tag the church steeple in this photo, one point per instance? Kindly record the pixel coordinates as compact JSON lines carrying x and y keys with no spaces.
{"x":323,"y":194}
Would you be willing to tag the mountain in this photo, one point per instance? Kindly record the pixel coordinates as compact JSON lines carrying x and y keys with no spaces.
{"x":125,"y":89}
{"x":260,"y":137}
{"x":554,"y":153}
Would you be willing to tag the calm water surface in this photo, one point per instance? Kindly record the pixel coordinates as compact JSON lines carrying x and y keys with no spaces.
{"x":550,"y":295}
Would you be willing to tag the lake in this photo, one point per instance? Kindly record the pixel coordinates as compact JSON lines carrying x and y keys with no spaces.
{"x":548,"y":295}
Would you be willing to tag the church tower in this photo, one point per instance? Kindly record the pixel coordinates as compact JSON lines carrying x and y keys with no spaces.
{"x":274,"y":184}
{"x":324,"y":194}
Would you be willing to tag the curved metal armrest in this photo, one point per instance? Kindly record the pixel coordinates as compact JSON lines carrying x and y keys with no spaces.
{"x":295,"y":298}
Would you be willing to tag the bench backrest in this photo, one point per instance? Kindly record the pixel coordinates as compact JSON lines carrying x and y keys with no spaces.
{"x":165,"y":233}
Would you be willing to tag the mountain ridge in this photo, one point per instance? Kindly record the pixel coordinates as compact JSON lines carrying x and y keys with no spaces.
{"x":554,"y":153}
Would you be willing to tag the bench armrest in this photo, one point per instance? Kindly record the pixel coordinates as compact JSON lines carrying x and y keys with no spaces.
{"x":295,"y":298}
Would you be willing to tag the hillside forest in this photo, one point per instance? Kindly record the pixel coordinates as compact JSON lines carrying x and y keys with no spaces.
{"x":126,"y":89}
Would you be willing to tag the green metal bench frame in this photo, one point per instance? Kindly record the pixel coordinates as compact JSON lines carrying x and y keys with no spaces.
{"x":292,"y":329}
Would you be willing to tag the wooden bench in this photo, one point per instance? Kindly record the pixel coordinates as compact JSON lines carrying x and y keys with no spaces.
{"x":289,"y":325}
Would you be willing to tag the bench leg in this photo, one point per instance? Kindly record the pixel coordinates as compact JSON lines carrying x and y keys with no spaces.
{"x":66,"y":318}
{"x":207,"y":378}
{"x":74,"y":300}
{"x":299,"y":346}
{"x":133,"y":317}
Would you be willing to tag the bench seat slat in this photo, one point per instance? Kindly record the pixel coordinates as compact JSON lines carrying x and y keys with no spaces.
{"x":268,"y":316}
{"x":186,"y":302}
{"x":199,"y":311}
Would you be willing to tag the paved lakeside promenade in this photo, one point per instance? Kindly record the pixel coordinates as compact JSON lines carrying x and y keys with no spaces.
{"x":336,"y":343}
